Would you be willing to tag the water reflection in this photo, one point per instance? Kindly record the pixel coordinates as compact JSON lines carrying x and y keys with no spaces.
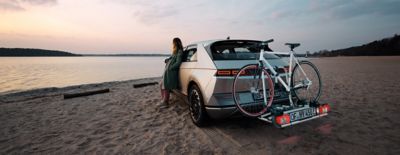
{"x":23,"y":73}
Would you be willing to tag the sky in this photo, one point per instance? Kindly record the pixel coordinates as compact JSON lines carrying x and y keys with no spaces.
{"x":148,"y":26}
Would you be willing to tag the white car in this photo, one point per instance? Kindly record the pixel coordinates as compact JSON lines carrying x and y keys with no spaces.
{"x":207,"y":72}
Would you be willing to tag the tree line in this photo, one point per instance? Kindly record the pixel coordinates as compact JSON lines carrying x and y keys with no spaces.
{"x":33,"y":52}
{"x":384,"y":47}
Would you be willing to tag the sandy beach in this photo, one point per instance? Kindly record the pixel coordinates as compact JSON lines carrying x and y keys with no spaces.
{"x":365,"y":119}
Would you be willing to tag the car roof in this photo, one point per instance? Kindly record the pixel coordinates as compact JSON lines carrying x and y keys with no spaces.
{"x":208,"y":42}
{"x":205,"y":42}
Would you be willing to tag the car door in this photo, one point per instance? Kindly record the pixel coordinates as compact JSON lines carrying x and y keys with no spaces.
{"x":189,"y":61}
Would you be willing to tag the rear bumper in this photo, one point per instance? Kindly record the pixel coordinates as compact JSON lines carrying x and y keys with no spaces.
{"x":275,"y":115}
{"x":221,"y":112}
{"x":220,"y":108}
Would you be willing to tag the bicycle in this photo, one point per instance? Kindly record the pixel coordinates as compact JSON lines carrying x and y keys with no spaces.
{"x":254,"y":84}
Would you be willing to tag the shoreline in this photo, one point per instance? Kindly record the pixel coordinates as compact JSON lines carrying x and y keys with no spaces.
{"x":12,"y":96}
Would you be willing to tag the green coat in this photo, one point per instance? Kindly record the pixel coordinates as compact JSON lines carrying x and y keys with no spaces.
{"x":171,"y":73}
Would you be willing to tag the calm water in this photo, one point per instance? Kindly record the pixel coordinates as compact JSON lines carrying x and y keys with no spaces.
{"x":23,"y":73}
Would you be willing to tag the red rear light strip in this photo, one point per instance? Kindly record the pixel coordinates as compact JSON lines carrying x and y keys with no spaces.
{"x":228,"y":72}
{"x":224,"y":73}
{"x":234,"y":72}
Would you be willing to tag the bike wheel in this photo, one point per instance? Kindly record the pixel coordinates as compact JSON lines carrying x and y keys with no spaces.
{"x":248,"y":91}
{"x":306,"y":82}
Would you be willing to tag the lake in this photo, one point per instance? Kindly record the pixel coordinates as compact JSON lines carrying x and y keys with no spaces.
{"x":24,"y":73}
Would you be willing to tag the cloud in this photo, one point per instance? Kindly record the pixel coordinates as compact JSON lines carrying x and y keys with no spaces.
{"x":346,"y":9}
{"x":281,"y":14}
{"x":331,"y":10}
{"x":134,"y":2}
{"x":20,"y":5}
{"x":11,"y":5}
{"x":154,"y":14}
{"x":150,"y":12}
{"x":40,"y":2}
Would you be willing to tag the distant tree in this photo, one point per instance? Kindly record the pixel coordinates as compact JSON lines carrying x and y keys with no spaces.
{"x":308,"y":53}
{"x":33,"y":52}
{"x":386,"y":46}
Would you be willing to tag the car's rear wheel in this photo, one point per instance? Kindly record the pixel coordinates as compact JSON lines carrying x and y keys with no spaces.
{"x":196,"y":106}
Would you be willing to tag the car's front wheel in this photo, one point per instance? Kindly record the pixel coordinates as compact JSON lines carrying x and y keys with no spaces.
{"x":196,"y":106}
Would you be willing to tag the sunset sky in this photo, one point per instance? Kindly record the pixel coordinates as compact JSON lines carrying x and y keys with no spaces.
{"x":148,"y":26}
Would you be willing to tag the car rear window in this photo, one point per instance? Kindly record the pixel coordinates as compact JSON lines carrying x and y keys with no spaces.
{"x":237,"y":50}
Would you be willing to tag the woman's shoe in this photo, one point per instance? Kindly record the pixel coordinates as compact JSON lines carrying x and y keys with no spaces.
{"x":163,"y":105}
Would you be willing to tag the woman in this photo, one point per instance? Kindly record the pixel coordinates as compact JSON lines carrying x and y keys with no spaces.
{"x":170,"y":76}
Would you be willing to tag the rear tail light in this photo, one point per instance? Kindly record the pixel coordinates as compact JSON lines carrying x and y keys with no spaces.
{"x":224,"y":73}
{"x":234,"y":72}
{"x":282,"y":119}
{"x":228,"y":72}
{"x":322,"y":109}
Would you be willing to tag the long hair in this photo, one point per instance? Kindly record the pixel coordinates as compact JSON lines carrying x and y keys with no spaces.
{"x":176,"y":45}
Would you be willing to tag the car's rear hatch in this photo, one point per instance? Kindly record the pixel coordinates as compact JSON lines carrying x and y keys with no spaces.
{"x":229,"y":56}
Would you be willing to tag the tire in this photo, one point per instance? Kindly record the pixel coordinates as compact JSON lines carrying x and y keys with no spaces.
{"x":248,"y":90}
{"x":196,"y":107}
{"x":310,"y":93}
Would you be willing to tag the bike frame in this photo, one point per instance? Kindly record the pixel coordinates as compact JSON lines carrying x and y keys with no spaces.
{"x":292,"y":58}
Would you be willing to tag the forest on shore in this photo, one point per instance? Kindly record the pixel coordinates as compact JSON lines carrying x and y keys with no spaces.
{"x":29,"y":52}
{"x":385,"y":47}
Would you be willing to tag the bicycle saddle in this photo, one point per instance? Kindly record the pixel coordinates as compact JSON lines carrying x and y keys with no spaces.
{"x":293,"y":45}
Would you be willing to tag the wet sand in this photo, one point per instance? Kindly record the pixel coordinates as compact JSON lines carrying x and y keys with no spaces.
{"x":363,"y":92}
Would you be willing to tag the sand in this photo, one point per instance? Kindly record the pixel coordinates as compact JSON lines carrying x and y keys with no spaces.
{"x":363,"y":92}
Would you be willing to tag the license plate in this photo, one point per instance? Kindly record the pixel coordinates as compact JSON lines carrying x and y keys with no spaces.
{"x":302,"y":114}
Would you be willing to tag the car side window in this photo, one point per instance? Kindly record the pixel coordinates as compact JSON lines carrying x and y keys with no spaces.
{"x":191,"y":55}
